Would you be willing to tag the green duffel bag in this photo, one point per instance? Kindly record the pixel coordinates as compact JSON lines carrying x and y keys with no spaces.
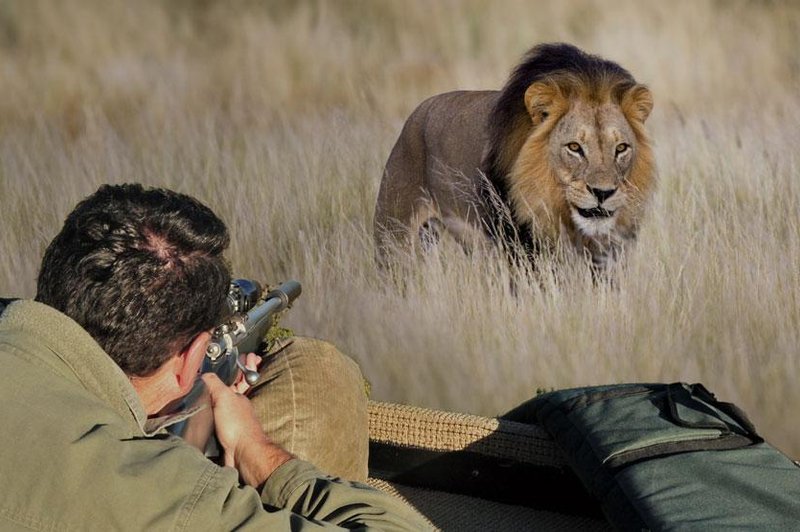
{"x":669,"y":456}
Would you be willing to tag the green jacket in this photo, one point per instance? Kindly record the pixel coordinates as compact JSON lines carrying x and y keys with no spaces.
{"x":77,"y":452}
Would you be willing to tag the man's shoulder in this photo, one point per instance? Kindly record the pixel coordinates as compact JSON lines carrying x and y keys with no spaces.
{"x":43,"y":396}
{"x":27,"y":361}
{"x":40,"y":392}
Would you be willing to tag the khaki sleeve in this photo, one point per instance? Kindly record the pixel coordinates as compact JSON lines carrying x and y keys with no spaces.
{"x":162,"y":483}
{"x":298,"y":486}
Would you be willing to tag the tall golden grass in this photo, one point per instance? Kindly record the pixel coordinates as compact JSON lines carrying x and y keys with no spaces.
{"x":280,"y":115}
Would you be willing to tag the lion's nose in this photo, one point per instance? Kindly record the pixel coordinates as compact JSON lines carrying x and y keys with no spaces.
{"x":601,"y":194}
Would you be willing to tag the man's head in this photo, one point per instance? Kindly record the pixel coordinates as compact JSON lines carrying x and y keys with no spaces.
{"x":141,"y":270}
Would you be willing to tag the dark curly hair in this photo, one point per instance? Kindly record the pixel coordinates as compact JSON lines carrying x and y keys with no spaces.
{"x":142,"y":270}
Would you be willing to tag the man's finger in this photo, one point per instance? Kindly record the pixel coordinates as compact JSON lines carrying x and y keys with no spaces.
{"x":212,"y":380}
{"x":252,"y":361}
{"x":240,"y":387}
{"x":214,"y":384}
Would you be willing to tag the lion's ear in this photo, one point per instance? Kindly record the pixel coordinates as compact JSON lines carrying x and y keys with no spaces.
{"x":540,"y":100}
{"x":637,"y":103}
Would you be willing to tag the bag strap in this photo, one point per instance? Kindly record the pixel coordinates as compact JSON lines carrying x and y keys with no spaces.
{"x":700,"y":393}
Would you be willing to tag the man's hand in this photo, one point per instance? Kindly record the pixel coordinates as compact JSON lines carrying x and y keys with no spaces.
{"x":246,"y":446}
{"x":251,"y":361}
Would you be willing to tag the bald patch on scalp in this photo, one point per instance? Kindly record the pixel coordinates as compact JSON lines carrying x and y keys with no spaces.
{"x":159,"y":246}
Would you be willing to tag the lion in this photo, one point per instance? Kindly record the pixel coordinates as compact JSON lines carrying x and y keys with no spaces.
{"x":561,"y":152}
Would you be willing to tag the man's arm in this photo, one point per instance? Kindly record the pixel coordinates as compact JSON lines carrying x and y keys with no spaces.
{"x":300,"y":487}
{"x":293,"y":484}
{"x":243,"y":441}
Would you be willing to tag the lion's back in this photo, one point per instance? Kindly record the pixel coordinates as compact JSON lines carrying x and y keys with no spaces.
{"x":456,"y":127}
{"x":436,"y":159}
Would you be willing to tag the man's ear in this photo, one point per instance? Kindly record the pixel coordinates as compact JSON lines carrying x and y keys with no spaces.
{"x":190,"y":360}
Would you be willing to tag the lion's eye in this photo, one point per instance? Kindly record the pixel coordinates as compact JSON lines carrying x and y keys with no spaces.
{"x":622,"y":148}
{"x":574,"y":147}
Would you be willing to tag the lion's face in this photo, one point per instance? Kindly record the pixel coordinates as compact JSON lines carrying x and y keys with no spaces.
{"x":586,"y":163}
{"x":591,"y":153}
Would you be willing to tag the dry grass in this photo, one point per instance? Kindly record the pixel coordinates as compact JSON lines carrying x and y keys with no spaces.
{"x":280,"y":115}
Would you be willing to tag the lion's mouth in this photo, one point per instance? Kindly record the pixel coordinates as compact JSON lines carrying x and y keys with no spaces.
{"x":596,"y":212}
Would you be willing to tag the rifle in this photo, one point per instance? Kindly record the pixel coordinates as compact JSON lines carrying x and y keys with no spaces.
{"x":250,"y":318}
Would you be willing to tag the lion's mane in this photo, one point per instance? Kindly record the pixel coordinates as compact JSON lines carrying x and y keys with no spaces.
{"x":576,"y":74}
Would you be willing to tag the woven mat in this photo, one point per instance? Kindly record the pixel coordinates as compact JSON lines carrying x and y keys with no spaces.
{"x":422,"y":428}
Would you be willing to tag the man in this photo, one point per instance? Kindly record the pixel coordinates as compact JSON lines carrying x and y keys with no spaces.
{"x":126,"y":296}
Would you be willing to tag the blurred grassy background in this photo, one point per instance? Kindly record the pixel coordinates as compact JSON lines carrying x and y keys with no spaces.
{"x":280,"y":115}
